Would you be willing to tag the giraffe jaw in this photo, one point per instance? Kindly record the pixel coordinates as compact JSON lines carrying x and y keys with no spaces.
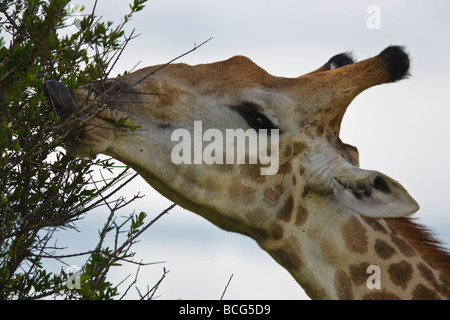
{"x":366,"y":192}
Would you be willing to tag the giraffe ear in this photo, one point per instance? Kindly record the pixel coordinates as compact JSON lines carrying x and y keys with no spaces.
{"x":372,"y":194}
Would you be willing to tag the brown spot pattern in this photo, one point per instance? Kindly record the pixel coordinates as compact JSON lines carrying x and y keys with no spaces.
{"x":271,"y":195}
{"x":299,"y":147}
{"x":374,"y":224}
{"x":354,"y":235}
{"x":241,"y":193}
{"x":315,"y":291}
{"x":383,"y":295}
{"x":302,"y":170}
{"x":256,"y":217}
{"x":285,"y":168}
{"x":288,"y":255}
{"x":287,"y":151}
{"x":302,"y":216}
{"x":383,"y":249}
{"x":285,"y":212}
{"x":400,"y":273}
{"x":343,"y":285}
{"x":422,"y":292}
{"x":403,"y":246}
{"x":251,"y":171}
{"x":428,"y":275}
{"x":358,"y":273}
{"x":276,"y":231}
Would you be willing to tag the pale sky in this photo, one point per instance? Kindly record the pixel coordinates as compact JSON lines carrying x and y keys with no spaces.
{"x":400,"y":129}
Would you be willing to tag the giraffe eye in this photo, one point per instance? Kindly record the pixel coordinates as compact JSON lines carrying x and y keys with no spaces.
{"x":254,"y":118}
{"x":260,"y":121}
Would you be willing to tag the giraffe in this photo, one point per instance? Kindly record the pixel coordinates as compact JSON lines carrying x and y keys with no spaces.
{"x":331,"y":224}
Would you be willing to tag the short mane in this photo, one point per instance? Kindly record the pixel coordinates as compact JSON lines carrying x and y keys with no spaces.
{"x":420,"y":238}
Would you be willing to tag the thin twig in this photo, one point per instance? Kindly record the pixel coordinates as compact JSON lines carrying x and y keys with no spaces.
{"x":171,"y":61}
{"x":155,"y":287}
{"x":105,"y":98}
{"x":131,"y":284}
{"x":123,"y":46}
{"x":130,"y":239}
{"x":65,"y":256}
{"x":226,"y":287}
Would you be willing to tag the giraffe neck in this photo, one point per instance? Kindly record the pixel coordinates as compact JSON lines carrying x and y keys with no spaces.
{"x":336,"y":254}
{"x":326,"y":247}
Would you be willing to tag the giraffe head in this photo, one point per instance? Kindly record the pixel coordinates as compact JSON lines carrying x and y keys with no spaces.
{"x":305,"y":112}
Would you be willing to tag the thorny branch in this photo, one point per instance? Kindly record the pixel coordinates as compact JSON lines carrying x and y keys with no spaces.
{"x":103,"y":99}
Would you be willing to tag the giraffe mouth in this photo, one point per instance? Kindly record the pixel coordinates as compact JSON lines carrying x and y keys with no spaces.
{"x":65,"y":107}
